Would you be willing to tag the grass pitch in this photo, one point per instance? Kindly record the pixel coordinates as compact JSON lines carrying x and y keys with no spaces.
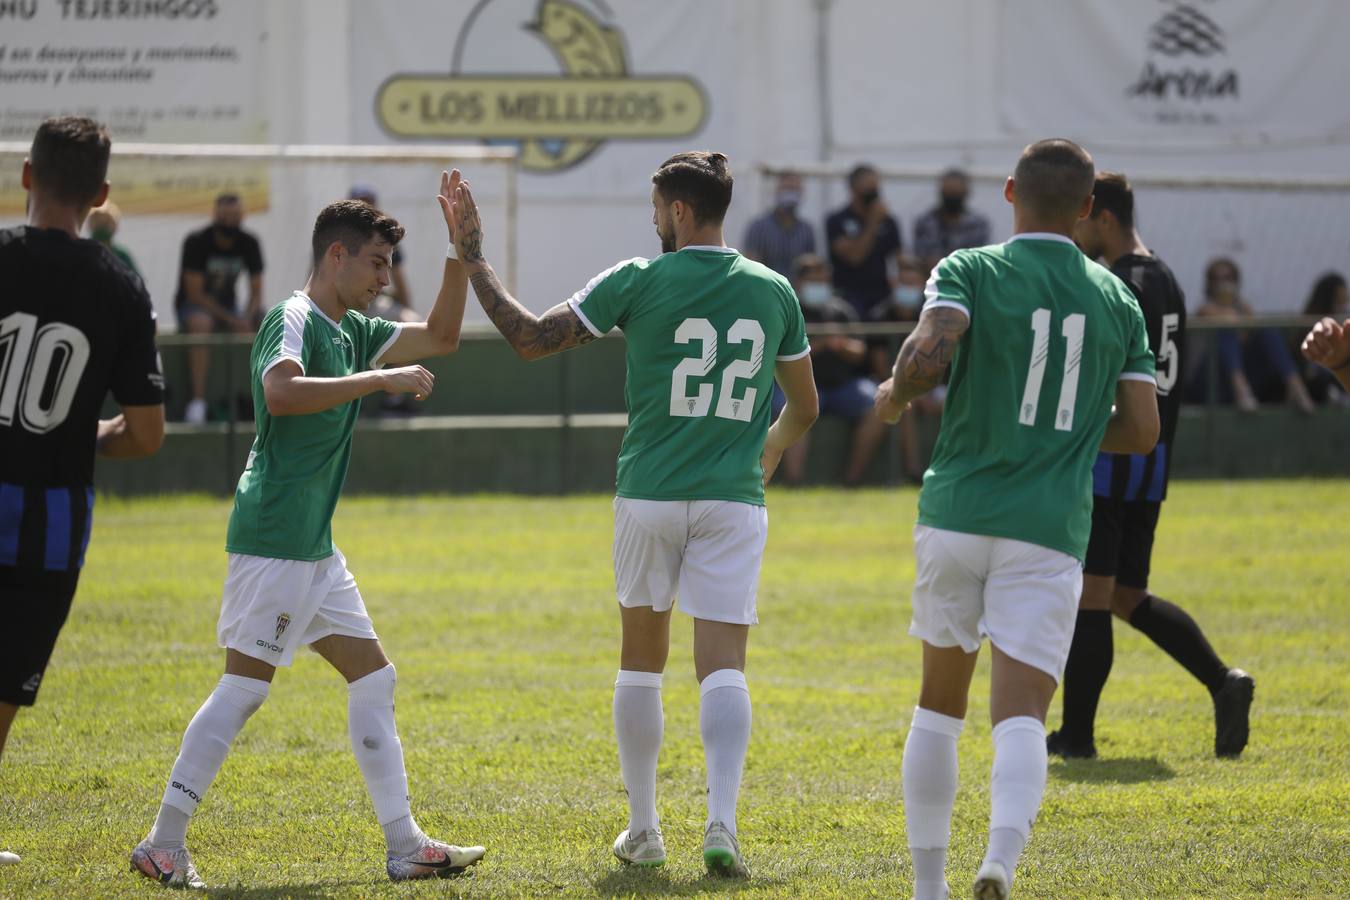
{"x":498,"y":613}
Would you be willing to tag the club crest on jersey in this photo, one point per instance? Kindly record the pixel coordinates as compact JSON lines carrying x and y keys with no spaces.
{"x":692,"y":404}
{"x":282,"y":621}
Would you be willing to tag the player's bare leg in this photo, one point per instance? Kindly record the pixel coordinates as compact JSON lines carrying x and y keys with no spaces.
{"x":929,"y":768}
{"x":7,"y":713}
{"x":724,"y":721}
{"x":1088,"y":666}
{"x":867,"y":436}
{"x":639,"y":726}
{"x":1019,"y":698}
{"x":1180,"y":637}
{"x":379,"y":754}
{"x":199,"y":362}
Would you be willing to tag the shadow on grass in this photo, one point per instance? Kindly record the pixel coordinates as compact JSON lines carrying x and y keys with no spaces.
{"x":644,"y":882}
{"x":1130,"y":770}
{"x":347,"y":888}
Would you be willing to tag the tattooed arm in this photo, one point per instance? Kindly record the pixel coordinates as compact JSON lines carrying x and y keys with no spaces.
{"x":531,"y":336}
{"x":923,"y":360}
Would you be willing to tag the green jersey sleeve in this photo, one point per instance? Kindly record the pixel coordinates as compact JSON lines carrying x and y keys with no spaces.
{"x":794,"y":345}
{"x":1140,"y":363}
{"x":607,"y":299}
{"x":378,"y":335}
{"x":951,"y":284}
{"x":282,"y":336}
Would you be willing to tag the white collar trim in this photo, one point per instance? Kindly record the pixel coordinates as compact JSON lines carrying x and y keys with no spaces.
{"x":1041,"y":236}
{"x":314,"y":306}
{"x":709,"y":247}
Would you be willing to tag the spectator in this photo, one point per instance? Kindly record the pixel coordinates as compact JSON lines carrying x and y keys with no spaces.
{"x":395,"y":303}
{"x":839,"y":364}
{"x":103,"y":223}
{"x":903,"y":305}
{"x":1254,"y":364}
{"x":778,"y":237}
{"x":213,"y":259}
{"x":1329,"y":298}
{"x":861,"y":237}
{"x":950,"y":225}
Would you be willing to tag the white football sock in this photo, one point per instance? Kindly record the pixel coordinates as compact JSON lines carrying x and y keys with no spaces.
{"x":1016,"y":787}
{"x":379,"y":754}
{"x":724,"y":720}
{"x":929,"y":775}
{"x":206,"y":743}
{"x":639,"y":725}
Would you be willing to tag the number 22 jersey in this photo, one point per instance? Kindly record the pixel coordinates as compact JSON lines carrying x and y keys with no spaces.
{"x":75,"y":323}
{"x":704,"y":327}
{"x":1032,"y":383}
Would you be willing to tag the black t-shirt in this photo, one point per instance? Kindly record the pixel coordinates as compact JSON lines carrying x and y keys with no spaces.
{"x":830,"y":369}
{"x":221,"y":266}
{"x":865,"y":284}
{"x":75,"y":323}
{"x":1164,"y":307}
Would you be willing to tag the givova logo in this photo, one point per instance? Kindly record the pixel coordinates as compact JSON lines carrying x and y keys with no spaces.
{"x":558,"y":117}
{"x":1178,"y":81}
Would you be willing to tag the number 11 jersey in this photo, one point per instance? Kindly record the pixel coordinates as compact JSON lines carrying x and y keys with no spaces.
{"x":1031,"y":388}
{"x":704,"y":326}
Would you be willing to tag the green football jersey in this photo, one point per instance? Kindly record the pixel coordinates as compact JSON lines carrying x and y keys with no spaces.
{"x":283,"y":507}
{"x":1030,"y":391}
{"x":700,"y":324}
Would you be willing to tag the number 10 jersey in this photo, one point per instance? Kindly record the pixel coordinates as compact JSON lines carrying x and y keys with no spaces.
{"x":704,"y":327}
{"x":1031,"y":388}
{"x":75,"y":323}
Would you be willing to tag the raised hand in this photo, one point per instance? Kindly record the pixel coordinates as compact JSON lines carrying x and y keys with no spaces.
{"x":468,"y":228}
{"x":415,"y":380}
{"x":1328,"y":344}
{"x":450,"y":182}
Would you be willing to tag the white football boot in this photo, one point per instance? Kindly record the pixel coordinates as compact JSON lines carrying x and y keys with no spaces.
{"x":646,"y":848}
{"x":992,"y":882}
{"x":434,"y":859}
{"x":169,"y":867}
{"x":721,"y":853}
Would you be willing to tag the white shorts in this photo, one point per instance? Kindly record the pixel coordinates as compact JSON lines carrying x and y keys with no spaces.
{"x":272,"y":606}
{"x":1023,"y":597}
{"x":707,"y":551}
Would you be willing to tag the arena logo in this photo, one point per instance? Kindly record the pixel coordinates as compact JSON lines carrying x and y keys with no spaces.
{"x":1181,"y":44}
{"x":556,"y":120}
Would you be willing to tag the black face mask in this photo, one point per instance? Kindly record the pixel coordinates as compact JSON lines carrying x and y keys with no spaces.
{"x":228,"y":232}
{"x":953,"y":203}
{"x":867,"y":198}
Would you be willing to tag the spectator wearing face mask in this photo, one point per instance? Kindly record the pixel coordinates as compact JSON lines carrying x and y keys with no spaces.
{"x":839,"y":364}
{"x":862,"y":237}
{"x":778,"y":237}
{"x":1255,"y":366}
{"x":103,"y":223}
{"x":903,"y":305}
{"x":951,"y":225}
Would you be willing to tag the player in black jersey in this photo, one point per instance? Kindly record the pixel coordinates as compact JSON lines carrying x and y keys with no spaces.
{"x":75,"y":323}
{"x":1127,"y":496}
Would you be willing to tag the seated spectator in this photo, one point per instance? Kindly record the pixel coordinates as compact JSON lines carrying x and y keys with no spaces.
{"x":950,"y":225}
{"x":1254,"y":364}
{"x":103,"y":223}
{"x":778,"y":237}
{"x":1329,"y":297}
{"x":395,"y":302}
{"x":904,"y":305}
{"x":862,"y":237}
{"x":839,"y":364}
{"x":212,"y":261}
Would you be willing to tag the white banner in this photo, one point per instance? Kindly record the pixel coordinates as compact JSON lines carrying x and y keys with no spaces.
{"x":170,"y":71}
{"x":1194,"y":71}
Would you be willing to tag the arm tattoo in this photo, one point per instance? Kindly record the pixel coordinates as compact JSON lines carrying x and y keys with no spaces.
{"x":927,"y":353}
{"x":530,"y":336}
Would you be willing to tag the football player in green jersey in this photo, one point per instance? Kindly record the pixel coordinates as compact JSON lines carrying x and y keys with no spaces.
{"x":1040,"y":342}
{"x":700,"y":322}
{"x":313,"y":360}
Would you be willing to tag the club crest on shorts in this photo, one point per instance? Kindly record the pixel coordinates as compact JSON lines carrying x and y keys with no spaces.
{"x":282,"y":621}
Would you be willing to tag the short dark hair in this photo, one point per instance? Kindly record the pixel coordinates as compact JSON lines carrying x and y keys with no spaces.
{"x":700,"y":179}
{"x":1053,"y":177}
{"x":859,"y":171}
{"x":354,"y":223}
{"x":70,"y":159}
{"x":226,"y":199}
{"x":955,"y":173}
{"x":1112,"y":193}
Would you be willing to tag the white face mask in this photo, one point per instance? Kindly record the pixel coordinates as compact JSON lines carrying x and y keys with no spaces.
{"x":815,"y":293}
{"x":907,"y":296}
